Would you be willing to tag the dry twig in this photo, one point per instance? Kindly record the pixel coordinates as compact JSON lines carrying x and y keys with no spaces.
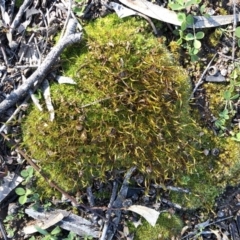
{"x":42,"y":70}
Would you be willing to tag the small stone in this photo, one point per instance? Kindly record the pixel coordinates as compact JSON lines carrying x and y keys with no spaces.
{"x":212,"y":70}
{"x":145,"y":199}
{"x":206,"y":152}
{"x":225,"y":50}
{"x":224,"y":72}
{"x":215,"y":152}
{"x":215,"y":78}
{"x":220,"y":214}
{"x":127,"y":203}
{"x":100,"y":222}
{"x":135,"y":197}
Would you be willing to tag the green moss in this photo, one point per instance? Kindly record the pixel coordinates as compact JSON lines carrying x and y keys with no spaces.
{"x":18,"y":3}
{"x":129,"y":108}
{"x":215,"y":37}
{"x":167,"y":227}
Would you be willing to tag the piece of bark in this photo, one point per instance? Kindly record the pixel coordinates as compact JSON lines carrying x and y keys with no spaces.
{"x":163,"y":14}
{"x":11,"y":181}
{"x":49,"y":221}
{"x":70,"y":222}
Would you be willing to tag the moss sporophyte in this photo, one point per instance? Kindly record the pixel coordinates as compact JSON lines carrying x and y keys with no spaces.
{"x":128,"y":108}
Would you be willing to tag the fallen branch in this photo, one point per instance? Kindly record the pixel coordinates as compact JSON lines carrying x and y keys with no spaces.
{"x":165,"y":15}
{"x":117,"y":206}
{"x":42,"y":70}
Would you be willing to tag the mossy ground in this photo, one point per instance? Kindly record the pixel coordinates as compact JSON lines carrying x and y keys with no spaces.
{"x":129,"y":108}
{"x":167,"y":227}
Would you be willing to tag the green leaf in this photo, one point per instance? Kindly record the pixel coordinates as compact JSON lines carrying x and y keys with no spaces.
{"x":237,"y":138}
{"x":219,"y":123}
{"x":30,"y":170}
{"x":236,"y":96}
{"x":190,"y":3}
{"x":223,"y":113}
{"x":56,"y":230}
{"x":24,"y":173}
{"x":227,"y":95}
{"x":40,"y":230}
{"x":190,"y":19}
{"x":238,"y":42}
{"x":202,"y":9}
{"x":189,"y":37}
{"x":181,"y":17}
{"x":238,"y":135}
{"x":23,"y":199}
{"x":199,"y":35}
{"x":20,"y":191}
{"x":184,"y":26}
{"x":194,"y":58}
{"x":179,"y":41}
{"x":234,"y":74}
{"x":181,"y":33}
{"x":195,"y":51}
{"x":176,"y":7}
{"x":197,"y":44}
{"x":237,"y":32}
{"x":28,"y":192}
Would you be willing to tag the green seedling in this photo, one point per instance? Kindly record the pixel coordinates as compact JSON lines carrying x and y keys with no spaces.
{"x":71,"y":236}
{"x":223,"y":116}
{"x":79,"y":8}
{"x":8,"y":225}
{"x":236,"y":137}
{"x":53,"y":235}
{"x":229,"y":96}
{"x":182,"y":5}
{"x":193,"y":44}
{"x":27,"y":174}
{"x":23,"y":194}
{"x":190,"y":41}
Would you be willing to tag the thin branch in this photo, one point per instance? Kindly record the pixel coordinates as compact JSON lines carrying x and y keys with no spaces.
{"x":3,"y":231}
{"x":108,"y":213}
{"x":234,"y":28}
{"x":200,"y":81}
{"x":19,"y":15}
{"x":68,"y":17}
{"x":41,"y":71}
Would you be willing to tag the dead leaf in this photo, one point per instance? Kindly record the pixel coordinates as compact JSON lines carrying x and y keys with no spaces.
{"x":149,"y":214}
{"x":62,"y":79}
{"x":216,"y":233}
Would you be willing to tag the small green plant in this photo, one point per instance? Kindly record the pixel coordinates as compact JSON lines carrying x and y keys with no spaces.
{"x":88,"y":238}
{"x":9,"y":226}
{"x":11,"y":222}
{"x":230,"y":97}
{"x":167,"y":227}
{"x":27,"y":174}
{"x":221,"y":121}
{"x":79,"y":7}
{"x":27,"y":194}
{"x":53,"y":235}
{"x":72,"y":236}
{"x":236,"y":137}
{"x":190,"y":41}
{"x":182,"y":4}
{"x":24,"y":194}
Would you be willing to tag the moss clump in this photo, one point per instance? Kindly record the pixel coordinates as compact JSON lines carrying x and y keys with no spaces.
{"x":167,"y":227}
{"x":215,"y":37}
{"x":129,"y":107}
